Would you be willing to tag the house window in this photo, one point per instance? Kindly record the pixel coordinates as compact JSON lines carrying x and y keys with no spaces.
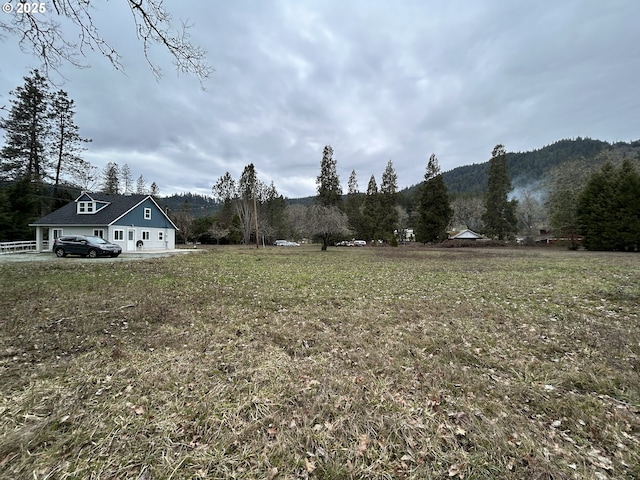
{"x":145,"y":235}
{"x":160,"y":236}
{"x":85,"y":207}
{"x":98,"y":233}
{"x":118,"y":235}
{"x":56,"y":232}
{"x":147,"y":214}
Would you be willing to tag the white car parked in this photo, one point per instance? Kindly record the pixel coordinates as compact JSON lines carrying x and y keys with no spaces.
{"x":285,"y":243}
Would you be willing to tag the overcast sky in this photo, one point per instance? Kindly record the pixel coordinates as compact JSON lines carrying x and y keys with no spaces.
{"x":376,"y":80}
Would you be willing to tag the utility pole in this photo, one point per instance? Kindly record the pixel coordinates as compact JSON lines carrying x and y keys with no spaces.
{"x":255,"y":216}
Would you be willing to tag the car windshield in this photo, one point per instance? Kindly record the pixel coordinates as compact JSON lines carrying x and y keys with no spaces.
{"x":97,"y":240}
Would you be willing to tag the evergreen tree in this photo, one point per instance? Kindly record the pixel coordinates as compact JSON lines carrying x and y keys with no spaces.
{"x":248,"y":190}
{"x":154,"y":191}
{"x":370,"y":213}
{"x":19,"y":207}
{"x":66,"y":141}
{"x":329,"y":189}
{"x":609,"y":208}
{"x":24,"y":155}
{"x":629,"y":200}
{"x":388,"y":221}
{"x":27,"y":131}
{"x":111,"y":179}
{"x":500,"y":216}
{"x":353,"y":202}
{"x":434,"y":210}
{"x":567,"y":181}
{"x":272,"y":214}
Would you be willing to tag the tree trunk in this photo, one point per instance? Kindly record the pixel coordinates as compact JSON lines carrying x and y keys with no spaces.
{"x":325,"y":238}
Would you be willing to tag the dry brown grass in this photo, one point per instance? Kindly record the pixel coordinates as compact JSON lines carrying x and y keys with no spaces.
{"x":294,"y":363}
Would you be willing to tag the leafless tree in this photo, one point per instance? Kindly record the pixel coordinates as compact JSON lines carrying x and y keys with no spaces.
{"x":467,"y":212}
{"x":297,"y":220}
{"x":531,"y":215}
{"x":41,"y":33}
{"x":326,"y":221}
{"x":217,"y":231}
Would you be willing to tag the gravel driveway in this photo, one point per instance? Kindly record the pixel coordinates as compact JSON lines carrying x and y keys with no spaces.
{"x":50,"y":257}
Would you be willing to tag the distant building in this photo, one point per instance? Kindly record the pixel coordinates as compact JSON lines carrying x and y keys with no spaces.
{"x":465,"y":235}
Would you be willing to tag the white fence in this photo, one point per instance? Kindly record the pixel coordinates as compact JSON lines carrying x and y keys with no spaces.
{"x":21,"y":247}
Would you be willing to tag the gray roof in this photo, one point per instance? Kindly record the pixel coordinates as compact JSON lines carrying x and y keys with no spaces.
{"x":67,"y":215}
{"x":467,"y":235}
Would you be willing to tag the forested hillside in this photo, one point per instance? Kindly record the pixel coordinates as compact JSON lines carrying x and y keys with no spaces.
{"x":197,"y":205}
{"x":528,"y":168}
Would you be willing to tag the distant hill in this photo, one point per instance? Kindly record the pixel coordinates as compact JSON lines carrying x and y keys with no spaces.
{"x":198,"y":205}
{"x":529,"y":168}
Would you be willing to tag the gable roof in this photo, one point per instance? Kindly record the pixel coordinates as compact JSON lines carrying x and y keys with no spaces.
{"x":466,"y":235}
{"x":116,"y":207}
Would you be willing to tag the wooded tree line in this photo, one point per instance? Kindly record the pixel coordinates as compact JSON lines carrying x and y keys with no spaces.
{"x":378,"y":214}
{"x":382,"y":213}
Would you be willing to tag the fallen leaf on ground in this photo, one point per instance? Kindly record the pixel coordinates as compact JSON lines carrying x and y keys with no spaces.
{"x":362,"y":445}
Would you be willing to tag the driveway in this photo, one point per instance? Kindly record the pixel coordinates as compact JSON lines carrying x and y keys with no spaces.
{"x":50,"y":257}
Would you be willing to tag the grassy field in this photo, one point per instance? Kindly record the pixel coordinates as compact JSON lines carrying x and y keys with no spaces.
{"x":295,"y":363}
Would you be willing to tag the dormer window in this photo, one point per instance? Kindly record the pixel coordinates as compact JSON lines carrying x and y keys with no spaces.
{"x":86,"y":207}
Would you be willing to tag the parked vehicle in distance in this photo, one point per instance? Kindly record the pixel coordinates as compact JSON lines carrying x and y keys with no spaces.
{"x":285,"y":243}
{"x":344,"y":243}
{"x":352,"y":243}
{"x":85,"y":246}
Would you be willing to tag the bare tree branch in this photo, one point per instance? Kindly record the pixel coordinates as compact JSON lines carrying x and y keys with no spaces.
{"x":41,"y":35}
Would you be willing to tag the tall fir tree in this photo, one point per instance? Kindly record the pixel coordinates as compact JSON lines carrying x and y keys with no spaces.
{"x":609,"y":209}
{"x":27,"y":131}
{"x":353,"y":202}
{"x":67,"y":144}
{"x":272,"y":214}
{"x":434,"y":211}
{"x":388,"y":221}
{"x":370,"y":212}
{"x":499,"y":219}
{"x":328,"y":182}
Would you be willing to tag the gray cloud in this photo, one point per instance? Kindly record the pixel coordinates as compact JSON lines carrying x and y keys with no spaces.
{"x":376,"y":80}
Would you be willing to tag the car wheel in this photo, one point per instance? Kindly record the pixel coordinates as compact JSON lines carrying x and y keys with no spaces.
{"x":114,"y":255}
{"x":93,"y":253}
{"x":60,"y":252}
